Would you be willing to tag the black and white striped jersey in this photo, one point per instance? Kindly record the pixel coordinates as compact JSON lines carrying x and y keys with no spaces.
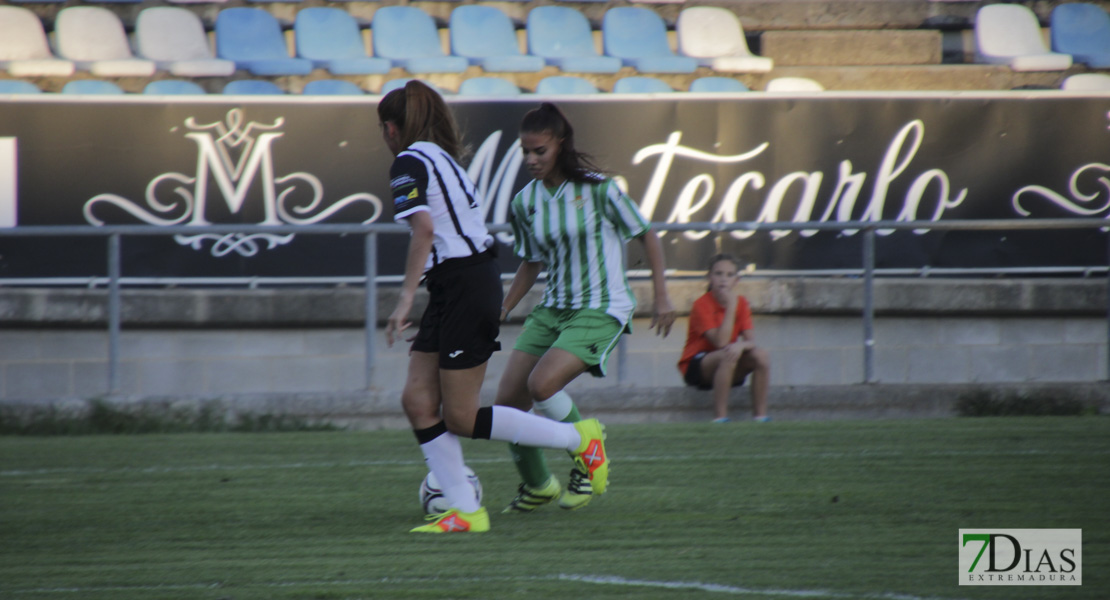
{"x":424,"y":177}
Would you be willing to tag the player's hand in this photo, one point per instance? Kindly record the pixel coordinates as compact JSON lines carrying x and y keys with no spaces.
{"x":727,"y":297}
{"x":398,"y":321}
{"x":663,"y":317}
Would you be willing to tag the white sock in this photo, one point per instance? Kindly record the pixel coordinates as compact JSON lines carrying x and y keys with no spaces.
{"x":445,"y":459}
{"x":557,"y":407}
{"x":519,"y":427}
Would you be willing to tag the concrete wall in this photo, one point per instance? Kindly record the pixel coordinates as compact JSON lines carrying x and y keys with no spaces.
{"x":180,"y":343}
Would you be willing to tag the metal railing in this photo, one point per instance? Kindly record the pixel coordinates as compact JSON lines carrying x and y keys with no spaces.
{"x":867,"y":229}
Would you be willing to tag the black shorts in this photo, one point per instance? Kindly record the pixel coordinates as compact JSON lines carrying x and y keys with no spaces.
{"x":463,"y":317}
{"x":694,"y":377}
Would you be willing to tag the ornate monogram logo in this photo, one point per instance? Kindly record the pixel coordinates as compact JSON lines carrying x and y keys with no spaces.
{"x":216,"y":144}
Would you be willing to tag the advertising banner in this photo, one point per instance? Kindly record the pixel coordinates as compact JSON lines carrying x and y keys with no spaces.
{"x":683,"y":160}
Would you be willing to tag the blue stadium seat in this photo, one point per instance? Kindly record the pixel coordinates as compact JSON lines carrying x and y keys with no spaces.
{"x":1083,"y":31}
{"x":94,"y":39}
{"x":718,"y":85}
{"x":174,"y":38}
{"x":485,"y":36}
{"x":565,"y":84}
{"x":638,"y":37}
{"x":488,"y":86}
{"x":408,"y":36}
{"x":91,"y":86}
{"x":252,"y":38}
{"x":331,"y":39}
{"x":24,"y":50}
{"x":252,"y":87}
{"x":331,"y":87}
{"x":561,"y":36}
{"x":641,"y":85}
{"x":18,"y":86}
{"x":173,"y":87}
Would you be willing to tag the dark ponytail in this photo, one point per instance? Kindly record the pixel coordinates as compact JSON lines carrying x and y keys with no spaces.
{"x":422,"y":116}
{"x":574,"y":165}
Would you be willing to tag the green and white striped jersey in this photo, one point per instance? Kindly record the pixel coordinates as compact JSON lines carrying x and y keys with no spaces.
{"x":578,"y":231}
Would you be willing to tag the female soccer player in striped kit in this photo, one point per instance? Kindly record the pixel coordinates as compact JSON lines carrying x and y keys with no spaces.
{"x":573,"y":221}
{"x":451,"y":248}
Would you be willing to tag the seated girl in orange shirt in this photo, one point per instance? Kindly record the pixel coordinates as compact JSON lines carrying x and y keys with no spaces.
{"x":720,"y":349}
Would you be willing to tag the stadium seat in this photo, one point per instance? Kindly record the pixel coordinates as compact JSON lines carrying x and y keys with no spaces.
{"x":717,"y":85}
{"x":331,"y":39}
{"x":331,"y":87}
{"x":488,"y":86}
{"x":93,"y":38}
{"x":638,"y":36}
{"x":24,"y":51}
{"x":196,"y":1}
{"x":641,"y":85}
{"x":1087,"y":82}
{"x":1083,"y":31}
{"x":485,"y":36}
{"x":252,"y":87}
{"x":252,"y":38}
{"x":565,"y":84}
{"x":793,"y":84}
{"x":1009,"y":34}
{"x":37,"y":1}
{"x":175,"y":40}
{"x":18,"y":86}
{"x":91,"y":86}
{"x":408,"y":36}
{"x":561,"y":36}
{"x":114,"y":1}
{"x":714,"y":37}
{"x":173,"y":87}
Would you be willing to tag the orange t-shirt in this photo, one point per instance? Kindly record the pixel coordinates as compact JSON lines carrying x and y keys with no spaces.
{"x":708,"y":314}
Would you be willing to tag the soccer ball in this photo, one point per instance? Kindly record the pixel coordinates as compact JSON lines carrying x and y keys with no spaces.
{"x":432,"y":499}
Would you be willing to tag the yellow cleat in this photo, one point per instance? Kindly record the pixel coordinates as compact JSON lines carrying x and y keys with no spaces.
{"x":590,"y":456}
{"x":456,"y":521}
{"x":529,"y":499}
{"x":578,"y":492}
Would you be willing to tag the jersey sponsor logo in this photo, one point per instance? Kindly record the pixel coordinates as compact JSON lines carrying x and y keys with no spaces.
{"x":401,"y":181}
{"x":455,"y":354}
{"x":415,"y":193}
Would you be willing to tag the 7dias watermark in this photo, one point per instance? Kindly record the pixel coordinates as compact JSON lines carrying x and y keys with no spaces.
{"x":1021,"y":557}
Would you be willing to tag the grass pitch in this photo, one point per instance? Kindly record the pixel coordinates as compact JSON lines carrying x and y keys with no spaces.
{"x":816,"y":510}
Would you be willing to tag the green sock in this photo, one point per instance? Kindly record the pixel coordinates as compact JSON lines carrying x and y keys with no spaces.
{"x":531,"y":463}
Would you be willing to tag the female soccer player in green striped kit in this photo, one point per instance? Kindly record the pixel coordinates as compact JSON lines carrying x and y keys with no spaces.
{"x":574,"y":222}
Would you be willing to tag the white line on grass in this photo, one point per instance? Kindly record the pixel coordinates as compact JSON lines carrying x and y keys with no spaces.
{"x":734,"y":590}
{"x":632,"y":459}
{"x":409,"y":581}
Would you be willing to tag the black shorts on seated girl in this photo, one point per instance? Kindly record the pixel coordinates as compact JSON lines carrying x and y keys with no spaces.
{"x":694,"y":376}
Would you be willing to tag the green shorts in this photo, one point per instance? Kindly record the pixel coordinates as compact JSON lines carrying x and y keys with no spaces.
{"x":587,"y":333}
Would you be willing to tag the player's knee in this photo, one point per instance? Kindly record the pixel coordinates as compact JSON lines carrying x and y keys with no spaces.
{"x":418,"y":405}
{"x":460,"y":421}
{"x":540,"y":388}
{"x":760,"y":358}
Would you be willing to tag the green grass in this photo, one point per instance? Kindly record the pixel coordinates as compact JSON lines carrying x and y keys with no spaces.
{"x":783,"y":510}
